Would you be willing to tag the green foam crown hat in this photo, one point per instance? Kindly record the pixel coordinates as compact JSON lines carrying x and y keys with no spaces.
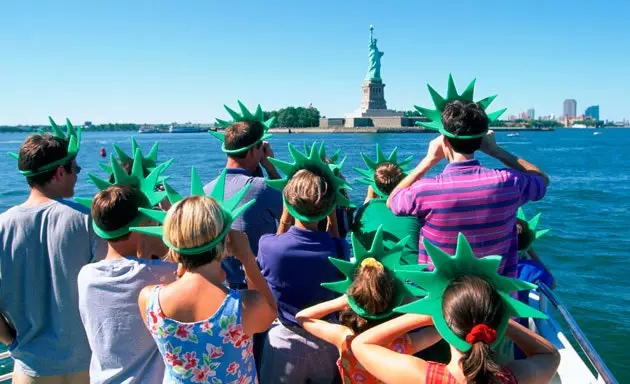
{"x":245,"y":115}
{"x":72,"y":134}
{"x":334,"y":158}
{"x":390,"y":259}
{"x":531,"y":228}
{"x":149,"y":161}
{"x":368,"y":174}
{"x":449,"y":268}
{"x":146,"y":185}
{"x":312,"y":160}
{"x":435,"y":115}
{"x":230,"y":209}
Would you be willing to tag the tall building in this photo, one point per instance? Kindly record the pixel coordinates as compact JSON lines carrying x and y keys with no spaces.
{"x":531,"y":113}
{"x":592,"y":112}
{"x":570,"y":108}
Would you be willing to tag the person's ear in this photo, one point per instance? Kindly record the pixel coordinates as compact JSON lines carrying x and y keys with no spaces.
{"x":60,"y":172}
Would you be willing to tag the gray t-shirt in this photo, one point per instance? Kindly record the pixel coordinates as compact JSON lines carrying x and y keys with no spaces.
{"x":123,"y":350}
{"x":42,"y":249}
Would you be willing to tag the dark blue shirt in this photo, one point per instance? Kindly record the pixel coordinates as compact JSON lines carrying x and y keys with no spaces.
{"x":295,"y":264}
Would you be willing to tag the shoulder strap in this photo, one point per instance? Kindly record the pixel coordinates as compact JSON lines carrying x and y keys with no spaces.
{"x":153,"y":306}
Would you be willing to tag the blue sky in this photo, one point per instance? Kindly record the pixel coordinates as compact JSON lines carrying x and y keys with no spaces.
{"x":164,"y":61}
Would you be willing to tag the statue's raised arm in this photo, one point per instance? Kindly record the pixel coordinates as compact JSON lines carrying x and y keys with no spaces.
{"x":374,"y":69}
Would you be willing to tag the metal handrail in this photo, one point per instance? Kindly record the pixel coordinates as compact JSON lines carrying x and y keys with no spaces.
{"x":6,"y":376}
{"x":576,"y":331}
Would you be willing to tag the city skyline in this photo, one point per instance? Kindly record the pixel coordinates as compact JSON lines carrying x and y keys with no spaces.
{"x":130,"y":62}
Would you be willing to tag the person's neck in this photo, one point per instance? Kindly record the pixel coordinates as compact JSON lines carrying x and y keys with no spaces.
{"x":459,"y":157}
{"x":40,"y":195}
{"x":239,"y":163}
{"x":120,"y":249}
{"x":454,"y":366}
{"x":211,"y":272}
{"x":312,"y":226}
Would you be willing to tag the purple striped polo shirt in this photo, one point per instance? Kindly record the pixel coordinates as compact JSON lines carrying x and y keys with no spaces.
{"x":477,"y":201}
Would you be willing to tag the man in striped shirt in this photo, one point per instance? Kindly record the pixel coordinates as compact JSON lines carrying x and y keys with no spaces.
{"x":467,"y":197}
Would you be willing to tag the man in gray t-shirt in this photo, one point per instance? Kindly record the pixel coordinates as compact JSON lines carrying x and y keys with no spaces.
{"x":246,"y":153}
{"x":44,"y":242}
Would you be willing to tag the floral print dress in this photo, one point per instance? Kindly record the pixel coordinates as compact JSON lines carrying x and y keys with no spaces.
{"x":215,"y":350}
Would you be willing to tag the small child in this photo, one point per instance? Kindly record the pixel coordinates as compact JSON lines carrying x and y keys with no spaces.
{"x":109,"y":289}
{"x":295,"y":262}
{"x":470,"y":306}
{"x":374,"y":293}
{"x":382,"y":176}
{"x":530,"y":267}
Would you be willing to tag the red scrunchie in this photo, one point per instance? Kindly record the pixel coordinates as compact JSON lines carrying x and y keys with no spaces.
{"x":481,"y":333}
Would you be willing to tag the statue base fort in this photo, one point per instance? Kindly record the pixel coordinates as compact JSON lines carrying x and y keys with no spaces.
{"x":372,"y":112}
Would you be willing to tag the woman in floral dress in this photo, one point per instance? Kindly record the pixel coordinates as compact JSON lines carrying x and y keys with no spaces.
{"x":203,"y":329}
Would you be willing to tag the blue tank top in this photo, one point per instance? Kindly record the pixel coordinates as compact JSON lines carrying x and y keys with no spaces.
{"x":215,"y":350}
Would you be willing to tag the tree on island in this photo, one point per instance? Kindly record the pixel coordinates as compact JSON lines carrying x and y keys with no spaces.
{"x":294,"y":117}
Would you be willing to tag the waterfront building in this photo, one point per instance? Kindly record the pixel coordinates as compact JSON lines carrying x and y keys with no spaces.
{"x":531,"y":114}
{"x":570,"y":108}
{"x":592,"y":112}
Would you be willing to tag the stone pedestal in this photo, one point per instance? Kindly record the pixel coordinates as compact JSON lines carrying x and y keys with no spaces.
{"x":373,"y":95}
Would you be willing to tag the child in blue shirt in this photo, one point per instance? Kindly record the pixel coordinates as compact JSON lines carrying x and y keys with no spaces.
{"x":295,"y":262}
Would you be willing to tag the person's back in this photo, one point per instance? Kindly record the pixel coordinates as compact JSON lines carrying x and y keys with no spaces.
{"x":371,"y":292}
{"x":466,"y":197}
{"x":295,"y":263}
{"x":246,"y":153}
{"x":108,"y":303}
{"x":261,"y":217}
{"x":203,"y":329}
{"x":470,"y":306}
{"x":375,"y":213}
{"x":43,"y":245}
{"x":109,"y":289}
{"x":43,"y":249}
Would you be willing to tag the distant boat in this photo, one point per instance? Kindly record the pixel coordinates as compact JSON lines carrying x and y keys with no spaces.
{"x":513,"y":134}
{"x":597,"y":133}
{"x":187,"y":128}
{"x":148,"y":129}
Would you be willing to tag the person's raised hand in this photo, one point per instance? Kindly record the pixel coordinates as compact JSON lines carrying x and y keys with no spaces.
{"x":489,"y":144}
{"x":435,"y":153}
{"x":238,"y":245}
{"x":267,"y":151}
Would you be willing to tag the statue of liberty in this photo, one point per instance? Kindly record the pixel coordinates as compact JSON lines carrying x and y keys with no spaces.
{"x":374,"y":70}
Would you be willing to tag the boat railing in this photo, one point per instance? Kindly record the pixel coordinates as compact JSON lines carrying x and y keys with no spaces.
{"x":596,"y":361}
{"x":7,"y":376}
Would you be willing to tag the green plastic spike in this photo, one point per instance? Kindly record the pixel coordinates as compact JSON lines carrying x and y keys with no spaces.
{"x":532,"y":224}
{"x":231,"y":209}
{"x":311,"y":160}
{"x":435,"y":115}
{"x":368,"y":174}
{"x":390,"y":259}
{"x":245,"y":115}
{"x":72,"y":134}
